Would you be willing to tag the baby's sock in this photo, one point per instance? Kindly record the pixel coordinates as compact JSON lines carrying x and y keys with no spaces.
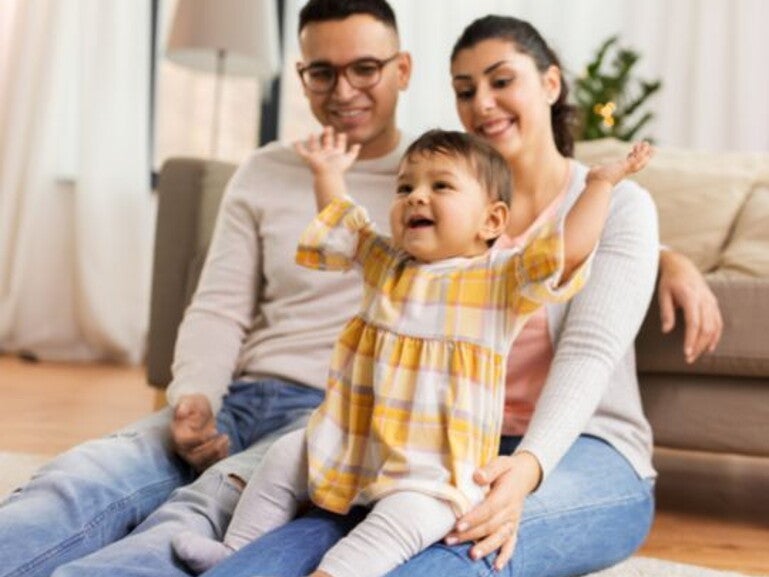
{"x":199,"y":553}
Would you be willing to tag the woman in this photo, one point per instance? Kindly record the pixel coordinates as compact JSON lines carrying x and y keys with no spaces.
{"x":572,"y":489}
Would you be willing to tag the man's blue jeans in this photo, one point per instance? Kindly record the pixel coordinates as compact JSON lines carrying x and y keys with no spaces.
{"x":111,"y":506}
{"x":590,"y":513}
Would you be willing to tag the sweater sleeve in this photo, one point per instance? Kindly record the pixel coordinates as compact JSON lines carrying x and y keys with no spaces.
{"x":340,"y":235}
{"x":215,"y":324}
{"x":600,"y":325}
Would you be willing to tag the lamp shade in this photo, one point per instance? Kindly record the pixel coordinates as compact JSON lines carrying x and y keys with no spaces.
{"x":246,"y":30}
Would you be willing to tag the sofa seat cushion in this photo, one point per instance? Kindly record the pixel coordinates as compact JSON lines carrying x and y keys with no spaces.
{"x":743,"y":350}
{"x":725,"y":484}
{"x":708,"y":413}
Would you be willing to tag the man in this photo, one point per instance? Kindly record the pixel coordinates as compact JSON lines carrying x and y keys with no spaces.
{"x":253,"y":349}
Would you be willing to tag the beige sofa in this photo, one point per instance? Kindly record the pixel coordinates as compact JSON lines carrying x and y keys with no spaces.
{"x":711,"y":419}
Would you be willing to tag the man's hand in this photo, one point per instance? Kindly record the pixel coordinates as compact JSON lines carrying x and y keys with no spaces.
{"x":194,"y":434}
{"x":683,"y":286}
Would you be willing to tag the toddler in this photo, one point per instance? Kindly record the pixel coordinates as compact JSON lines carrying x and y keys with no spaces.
{"x":415,"y":393}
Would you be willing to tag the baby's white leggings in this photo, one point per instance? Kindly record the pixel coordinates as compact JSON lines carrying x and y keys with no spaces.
{"x":398,"y":527}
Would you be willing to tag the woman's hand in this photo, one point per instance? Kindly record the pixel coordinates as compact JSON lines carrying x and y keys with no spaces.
{"x":493,"y":524}
{"x":682,"y":286}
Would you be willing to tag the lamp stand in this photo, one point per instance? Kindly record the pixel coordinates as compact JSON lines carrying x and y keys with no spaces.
{"x":221,"y":57}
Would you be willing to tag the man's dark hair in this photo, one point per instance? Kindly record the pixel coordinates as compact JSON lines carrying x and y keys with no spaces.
{"x":324,"y":10}
{"x":488,"y":165}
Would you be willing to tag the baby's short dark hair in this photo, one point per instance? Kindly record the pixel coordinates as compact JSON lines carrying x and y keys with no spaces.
{"x":488,"y":165}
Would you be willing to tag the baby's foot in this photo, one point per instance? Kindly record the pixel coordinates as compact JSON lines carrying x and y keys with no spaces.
{"x":613,"y":172}
{"x":199,"y":553}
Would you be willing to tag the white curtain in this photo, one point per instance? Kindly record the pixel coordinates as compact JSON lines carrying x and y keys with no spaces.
{"x":710,"y":55}
{"x":76,"y":213}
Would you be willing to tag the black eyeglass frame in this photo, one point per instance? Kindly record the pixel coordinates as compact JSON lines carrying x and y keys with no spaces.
{"x":343,"y":68}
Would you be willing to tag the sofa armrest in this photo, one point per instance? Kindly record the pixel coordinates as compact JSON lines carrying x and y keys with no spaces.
{"x":189,"y":192}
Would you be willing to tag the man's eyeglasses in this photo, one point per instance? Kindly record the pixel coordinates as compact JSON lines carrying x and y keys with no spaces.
{"x":321,"y":78}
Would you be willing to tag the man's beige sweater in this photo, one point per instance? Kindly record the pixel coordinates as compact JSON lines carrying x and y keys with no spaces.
{"x":255,"y":312}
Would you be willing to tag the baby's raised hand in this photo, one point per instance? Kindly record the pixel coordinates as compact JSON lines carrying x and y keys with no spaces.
{"x":328,"y":152}
{"x":613,"y":172}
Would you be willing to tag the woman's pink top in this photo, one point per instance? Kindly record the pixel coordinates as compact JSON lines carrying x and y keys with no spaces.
{"x":532,"y":352}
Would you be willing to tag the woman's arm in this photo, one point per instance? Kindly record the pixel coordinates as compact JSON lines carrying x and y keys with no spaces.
{"x":600,"y":326}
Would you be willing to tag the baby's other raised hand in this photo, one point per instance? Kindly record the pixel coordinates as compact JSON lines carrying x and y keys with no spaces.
{"x":613,"y":172}
{"x":327,"y":153}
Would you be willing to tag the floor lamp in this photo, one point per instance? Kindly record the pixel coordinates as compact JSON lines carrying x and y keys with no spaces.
{"x":237,"y":37}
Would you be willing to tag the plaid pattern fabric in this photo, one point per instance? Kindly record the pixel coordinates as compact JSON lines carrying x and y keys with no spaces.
{"x":415,"y":394}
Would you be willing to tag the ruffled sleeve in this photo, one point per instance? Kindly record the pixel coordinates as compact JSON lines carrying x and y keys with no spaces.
{"x":535,"y":273}
{"x":338,"y":237}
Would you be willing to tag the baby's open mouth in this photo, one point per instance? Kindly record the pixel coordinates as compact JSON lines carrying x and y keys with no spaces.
{"x":420,"y":222}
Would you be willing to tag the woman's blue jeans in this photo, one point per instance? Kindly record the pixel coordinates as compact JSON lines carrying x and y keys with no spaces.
{"x":111,"y":506}
{"x":591,"y":512}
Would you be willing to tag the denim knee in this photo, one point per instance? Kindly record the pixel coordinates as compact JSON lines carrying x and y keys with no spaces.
{"x":204,"y":506}
{"x":88,"y":497}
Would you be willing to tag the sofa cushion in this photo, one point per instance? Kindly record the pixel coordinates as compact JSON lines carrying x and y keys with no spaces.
{"x":726,"y":484}
{"x":747,"y":252}
{"x":189,"y":191}
{"x":708,"y":413}
{"x":698,"y":194}
{"x":213,"y":184}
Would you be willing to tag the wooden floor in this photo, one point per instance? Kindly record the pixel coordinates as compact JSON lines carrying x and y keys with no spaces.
{"x":49,"y":407}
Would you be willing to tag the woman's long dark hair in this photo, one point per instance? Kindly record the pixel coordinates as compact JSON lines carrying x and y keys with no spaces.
{"x":528,"y":41}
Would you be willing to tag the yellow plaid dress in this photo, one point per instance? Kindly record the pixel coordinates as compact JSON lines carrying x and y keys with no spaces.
{"x":415,"y":393}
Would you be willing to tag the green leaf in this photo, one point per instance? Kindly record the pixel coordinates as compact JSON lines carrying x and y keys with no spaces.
{"x":609,"y":77}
